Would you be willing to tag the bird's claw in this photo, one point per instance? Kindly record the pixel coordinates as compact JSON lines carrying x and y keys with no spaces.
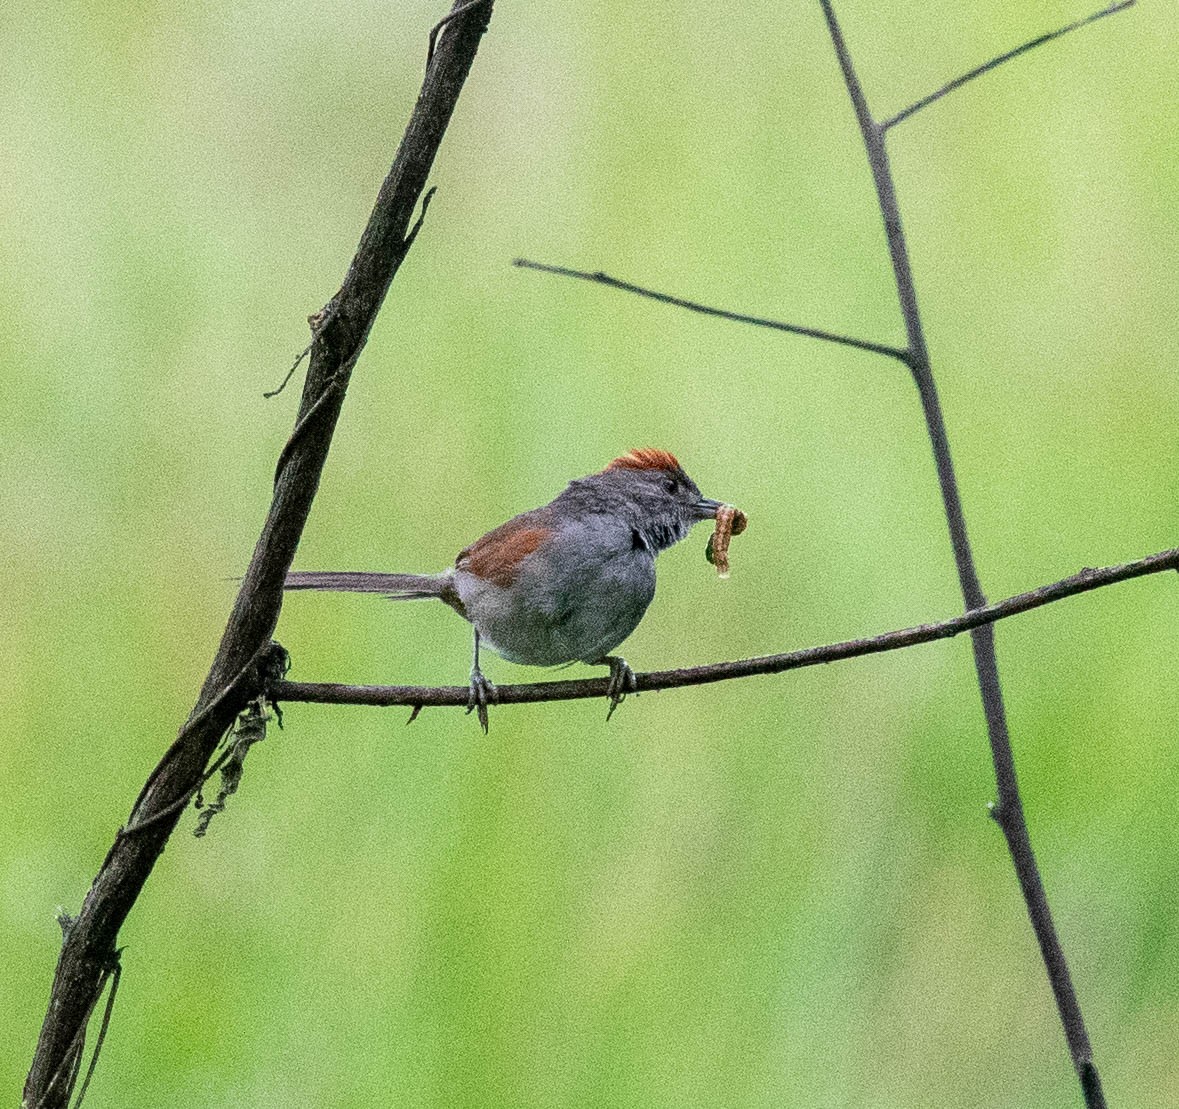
{"x":622,"y":681}
{"x":482,"y":693}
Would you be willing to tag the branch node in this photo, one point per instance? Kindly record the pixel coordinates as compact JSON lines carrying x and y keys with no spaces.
{"x":1091,"y":1083}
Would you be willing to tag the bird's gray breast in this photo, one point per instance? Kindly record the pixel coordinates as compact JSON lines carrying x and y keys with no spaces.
{"x":575,"y":598}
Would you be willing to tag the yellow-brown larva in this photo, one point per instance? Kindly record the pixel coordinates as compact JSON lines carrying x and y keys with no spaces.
{"x":730,"y":521}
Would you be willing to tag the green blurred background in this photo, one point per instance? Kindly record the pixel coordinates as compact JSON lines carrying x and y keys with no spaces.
{"x":779,"y":892}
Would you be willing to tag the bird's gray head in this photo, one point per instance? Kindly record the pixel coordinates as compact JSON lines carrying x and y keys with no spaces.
{"x":650,"y":489}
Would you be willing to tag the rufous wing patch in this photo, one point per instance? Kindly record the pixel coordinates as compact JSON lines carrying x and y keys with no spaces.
{"x":645,"y":458}
{"x":497,"y":556}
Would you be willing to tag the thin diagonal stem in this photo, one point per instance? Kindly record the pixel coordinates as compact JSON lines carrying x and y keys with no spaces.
{"x":994,"y":63}
{"x":599,"y":278}
{"x":1009,"y":810}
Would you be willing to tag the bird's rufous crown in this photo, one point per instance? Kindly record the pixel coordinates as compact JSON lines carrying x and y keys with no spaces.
{"x":645,"y":458}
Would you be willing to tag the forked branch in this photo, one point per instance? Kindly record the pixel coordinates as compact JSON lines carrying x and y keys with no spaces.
{"x":1009,"y":810}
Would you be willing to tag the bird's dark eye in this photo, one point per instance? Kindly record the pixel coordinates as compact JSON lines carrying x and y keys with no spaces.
{"x":672,"y":485}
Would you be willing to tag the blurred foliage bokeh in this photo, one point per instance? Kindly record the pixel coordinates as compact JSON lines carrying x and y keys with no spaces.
{"x":781,"y":892}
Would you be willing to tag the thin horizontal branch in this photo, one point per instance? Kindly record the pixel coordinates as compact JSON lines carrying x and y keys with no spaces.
{"x":599,"y":278}
{"x":994,"y":63}
{"x":532,"y":692}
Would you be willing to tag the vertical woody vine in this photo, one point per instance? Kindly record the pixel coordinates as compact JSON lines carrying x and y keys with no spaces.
{"x":244,"y":666}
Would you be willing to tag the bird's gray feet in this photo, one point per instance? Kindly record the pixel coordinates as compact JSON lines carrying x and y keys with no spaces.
{"x":482,"y":694}
{"x":622,"y":681}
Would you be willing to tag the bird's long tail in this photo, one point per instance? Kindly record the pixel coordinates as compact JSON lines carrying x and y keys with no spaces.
{"x":398,"y":587}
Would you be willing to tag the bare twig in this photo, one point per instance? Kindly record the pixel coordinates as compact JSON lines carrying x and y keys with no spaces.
{"x":599,"y":278}
{"x":342,"y":330}
{"x":290,"y":373}
{"x":994,"y":63}
{"x":534,"y":692}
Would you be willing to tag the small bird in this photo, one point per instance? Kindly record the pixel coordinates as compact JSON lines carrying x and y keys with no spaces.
{"x":566,"y":582}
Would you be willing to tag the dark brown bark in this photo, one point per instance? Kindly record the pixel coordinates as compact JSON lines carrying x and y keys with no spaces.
{"x":339,"y":334}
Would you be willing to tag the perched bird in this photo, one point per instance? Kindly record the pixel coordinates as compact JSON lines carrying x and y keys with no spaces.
{"x":565,"y":582}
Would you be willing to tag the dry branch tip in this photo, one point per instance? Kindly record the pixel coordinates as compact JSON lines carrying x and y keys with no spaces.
{"x":290,"y":373}
{"x":1000,"y":59}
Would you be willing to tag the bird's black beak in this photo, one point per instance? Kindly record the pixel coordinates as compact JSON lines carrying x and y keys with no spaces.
{"x":705,"y":508}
